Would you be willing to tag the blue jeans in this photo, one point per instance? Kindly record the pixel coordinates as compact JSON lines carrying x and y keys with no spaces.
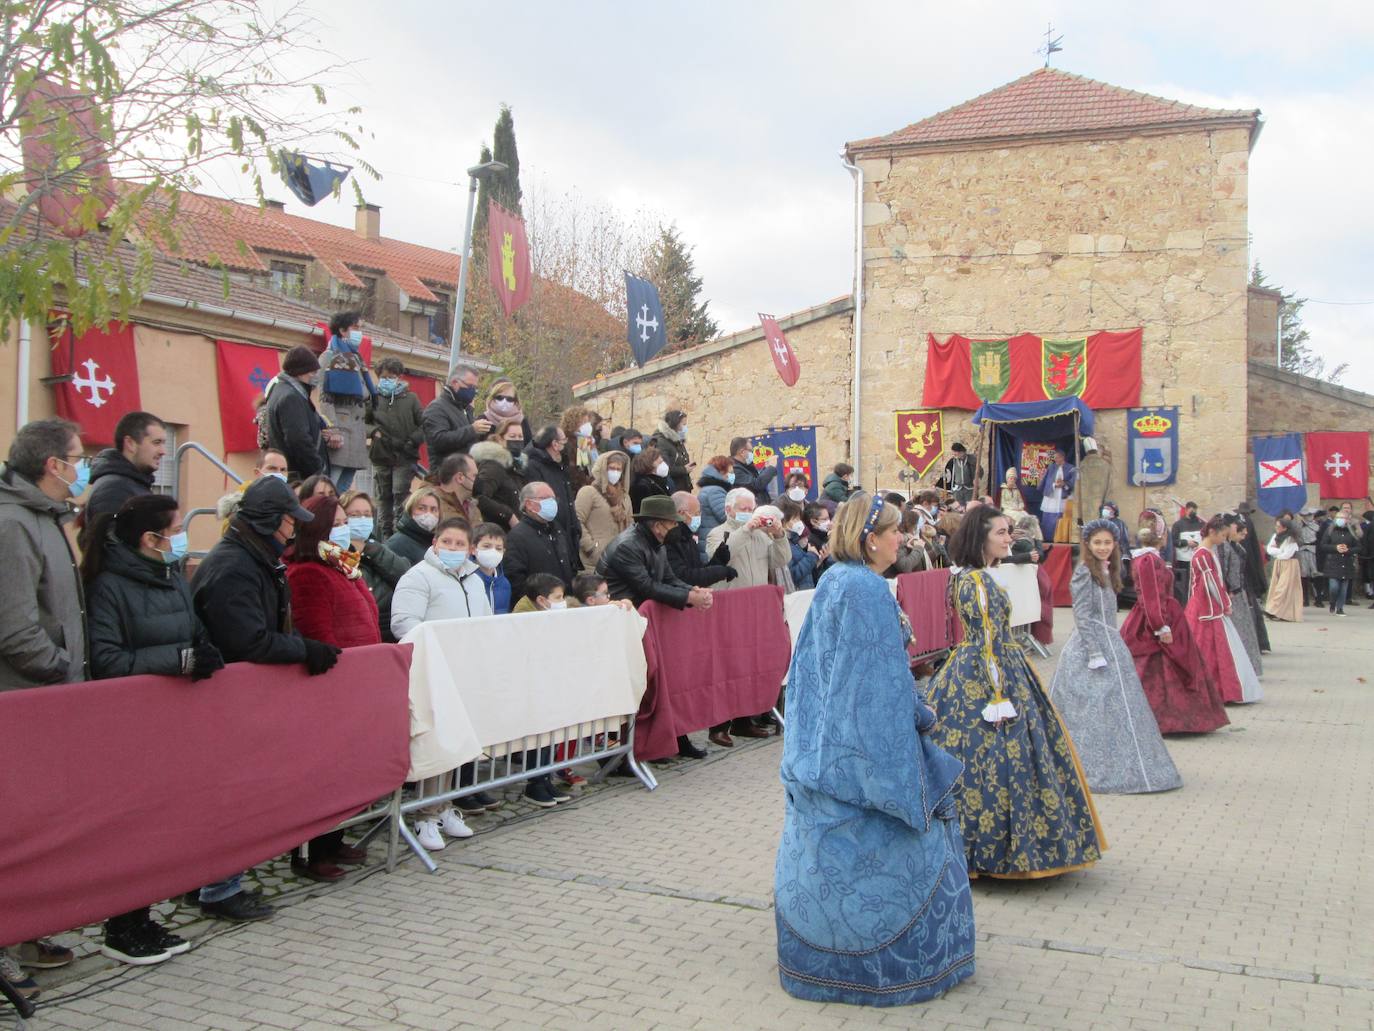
{"x":1338,"y":590}
{"x":342,"y":475}
{"x":221,"y":890}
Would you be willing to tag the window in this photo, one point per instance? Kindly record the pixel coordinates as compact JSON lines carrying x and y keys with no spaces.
{"x":165,"y":481}
{"x":288,"y":278}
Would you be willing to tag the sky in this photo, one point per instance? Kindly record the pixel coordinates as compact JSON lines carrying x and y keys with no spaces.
{"x":727,"y":118}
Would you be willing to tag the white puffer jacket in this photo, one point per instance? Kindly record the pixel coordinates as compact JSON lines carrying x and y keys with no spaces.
{"x":429,"y":591}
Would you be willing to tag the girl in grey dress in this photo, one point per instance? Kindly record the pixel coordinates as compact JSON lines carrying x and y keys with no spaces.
{"x":1095,"y":686}
{"x":1231,"y":558}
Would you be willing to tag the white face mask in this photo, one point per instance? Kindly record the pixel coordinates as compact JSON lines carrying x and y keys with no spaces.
{"x":585,"y":430}
{"x":661,"y":469}
{"x":612,"y":476}
{"x":489,"y":558}
{"x":427,"y":521}
{"x":797,"y":493}
{"x":554,"y":606}
{"x":824,"y":527}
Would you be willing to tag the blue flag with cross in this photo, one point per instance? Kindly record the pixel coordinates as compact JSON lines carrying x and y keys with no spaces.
{"x":644,"y":319}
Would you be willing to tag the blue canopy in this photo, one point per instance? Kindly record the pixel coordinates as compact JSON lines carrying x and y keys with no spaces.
{"x":1015,"y":423}
{"x":1027,"y":411}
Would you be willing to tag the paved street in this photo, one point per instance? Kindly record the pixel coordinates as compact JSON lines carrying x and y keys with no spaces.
{"x":1242,"y":900}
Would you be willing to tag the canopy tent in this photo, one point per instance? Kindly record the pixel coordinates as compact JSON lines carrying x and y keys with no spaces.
{"x":1021,"y":433}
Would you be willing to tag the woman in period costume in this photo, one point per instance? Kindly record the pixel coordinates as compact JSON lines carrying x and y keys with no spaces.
{"x":1284,"y":601}
{"x":1209,"y":618}
{"x":1024,"y":804}
{"x":1244,"y":612}
{"x":872,"y":896}
{"x":1095,"y":686}
{"x":1180,"y":694}
{"x":1011,"y":500}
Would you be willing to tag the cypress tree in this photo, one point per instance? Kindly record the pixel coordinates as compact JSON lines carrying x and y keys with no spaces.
{"x":670,"y":267}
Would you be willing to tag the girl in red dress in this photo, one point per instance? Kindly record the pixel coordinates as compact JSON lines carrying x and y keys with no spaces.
{"x":1209,"y":617}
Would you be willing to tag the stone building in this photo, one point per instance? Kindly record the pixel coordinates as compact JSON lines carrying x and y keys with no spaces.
{"x":1053,"y":205}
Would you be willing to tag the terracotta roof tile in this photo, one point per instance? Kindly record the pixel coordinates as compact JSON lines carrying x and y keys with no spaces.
{"x":1049,"y":102}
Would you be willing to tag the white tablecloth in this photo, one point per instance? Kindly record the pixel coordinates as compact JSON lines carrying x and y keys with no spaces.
{"x":479,"y":683}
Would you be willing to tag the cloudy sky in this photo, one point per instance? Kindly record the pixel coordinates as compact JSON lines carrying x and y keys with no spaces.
{"x":727,"y":118}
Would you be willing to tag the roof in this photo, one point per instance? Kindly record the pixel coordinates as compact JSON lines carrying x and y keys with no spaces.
{"x":1050,"y":102}
{"x":209,"y":230}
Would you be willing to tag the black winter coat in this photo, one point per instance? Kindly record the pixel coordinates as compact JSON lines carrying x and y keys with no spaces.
{"x":540,"y":468}
{"x":756,"y":480}
{"x":382,"y":569}
{"x":684,"y":559}
{"x":447,"y":427}
{"x":294,"y":427}
{"x":139,"y":616}
{"x":114,"y":480}
{"x":535,"y":547}
{"x":497,"y":486}
{"x":646,"y":485}
{"x":410,"y":541}
{"x":635,"y":566}
{"x":243,"y":600}
{"x":1333,"y":563}
{"x":396,"y":435}
{"x":675,"y":454}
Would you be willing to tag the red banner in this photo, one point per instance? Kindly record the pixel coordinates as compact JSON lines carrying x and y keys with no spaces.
{"x":244,"y":370}
{"x":103,"y":366}
{"x":1105,"y":373}
{"x":164,"y":786}
{"x":1338,"y":463}
{"x":424,"y":390}
{"x":508,"y":257}
{"x":784,"y":358}
{"x":65,"y":160}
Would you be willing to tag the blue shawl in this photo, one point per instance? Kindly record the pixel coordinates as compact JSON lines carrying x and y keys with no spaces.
{"x":350,"y":378}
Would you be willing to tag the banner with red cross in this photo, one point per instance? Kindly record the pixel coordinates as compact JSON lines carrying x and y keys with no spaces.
{"x":1339,"y":464}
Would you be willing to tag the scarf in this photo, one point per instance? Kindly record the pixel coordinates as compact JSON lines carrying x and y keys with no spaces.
{"x":492,"y":416}
{"x":346,"y":562}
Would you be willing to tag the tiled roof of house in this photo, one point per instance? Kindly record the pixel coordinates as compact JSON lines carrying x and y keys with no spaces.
{"x":209,"y":229}
{"x":1050,"y":102}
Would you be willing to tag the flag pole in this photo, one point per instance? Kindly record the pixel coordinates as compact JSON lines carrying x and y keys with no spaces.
{"x":475,"y":173}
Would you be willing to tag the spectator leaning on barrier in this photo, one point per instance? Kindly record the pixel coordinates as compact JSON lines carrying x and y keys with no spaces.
{"x":448,"y":422}
{"x":603,"y":506}
{"x":497,"y":486}
{"x":395,"y":436}
{"x":141,"y":621}
{"x":415,"y":532}
{"x":293,"y":424}
{"x":538,"y":543}
{"x":42,"y":623}
{"x":489,"y":550}
{"x":671,"y":441}
{"x":684,"y":549}
{"x":129,"y":468}
{"x":381,"y":567}
{"x":544,"y":464}
{"x":543,"y":593}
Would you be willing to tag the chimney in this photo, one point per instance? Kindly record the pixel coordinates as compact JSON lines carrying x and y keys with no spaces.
{"x":367,"y":221}
{"x":274,"y":205}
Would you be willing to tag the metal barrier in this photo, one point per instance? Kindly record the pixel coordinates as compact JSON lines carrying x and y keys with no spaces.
{"x":192,"y":446}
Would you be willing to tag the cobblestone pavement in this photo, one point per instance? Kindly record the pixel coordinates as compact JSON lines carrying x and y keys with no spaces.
{"x":1241,"y":900}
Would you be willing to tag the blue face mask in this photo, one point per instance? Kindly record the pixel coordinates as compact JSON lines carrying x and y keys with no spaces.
{"x":465,"y":395}
{"x":634,"y":449}
{"x":548,"y":509}
{"x":355,"y":337}
{"x":730,"y":478}
{"x":388,"y":385}
{"x":452,"y":559}
{"x":339,"y":536}
{"x":695,"y":523}
{"x":360,"y":527}
{"x":178,"y":546}
{"x":82,"y":471}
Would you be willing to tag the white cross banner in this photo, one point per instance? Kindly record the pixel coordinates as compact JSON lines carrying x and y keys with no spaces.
{"x":784,"y":358}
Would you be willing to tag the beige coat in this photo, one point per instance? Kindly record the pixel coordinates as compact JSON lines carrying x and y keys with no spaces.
{"x":600,"y":522}
{"x":753,"y":554}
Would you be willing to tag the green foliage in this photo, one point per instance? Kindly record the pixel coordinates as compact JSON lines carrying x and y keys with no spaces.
{"x":1295,"y":353}
{"x":503,"y":187}
{"x":669,"y":267}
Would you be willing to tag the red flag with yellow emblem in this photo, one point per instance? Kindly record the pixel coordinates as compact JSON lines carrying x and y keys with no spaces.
{"x":508,"y":257}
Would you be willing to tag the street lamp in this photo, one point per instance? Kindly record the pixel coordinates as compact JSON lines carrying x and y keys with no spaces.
{"x":476,"y":172}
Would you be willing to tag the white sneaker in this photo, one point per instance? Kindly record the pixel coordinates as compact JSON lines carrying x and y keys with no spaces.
{"x":453,"y":824}
{"x":428,"y":833}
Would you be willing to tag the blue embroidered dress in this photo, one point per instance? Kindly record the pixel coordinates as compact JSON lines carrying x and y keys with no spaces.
{"x":1023,"y":800}
{"x":872,"y":896}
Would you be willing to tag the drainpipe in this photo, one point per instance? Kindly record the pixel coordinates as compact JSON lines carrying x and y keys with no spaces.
{"x":855,"y":413}
{"x":21,"y":382}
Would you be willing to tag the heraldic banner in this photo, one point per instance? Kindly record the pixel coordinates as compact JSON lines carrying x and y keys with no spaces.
{"x":793,"y":450}
{"x":1102,"y":368}
{"x":1338,"y":463}
{"x":103,"y":367}
{"x":920,"y":438}
{"x":508,"y":257}
{"x":1152,"y":446}
{"x":244,"y":370}
{"x":1279,"y":481}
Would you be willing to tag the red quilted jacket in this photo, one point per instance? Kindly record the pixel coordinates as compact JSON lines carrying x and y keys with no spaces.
{"x":329,"y":607}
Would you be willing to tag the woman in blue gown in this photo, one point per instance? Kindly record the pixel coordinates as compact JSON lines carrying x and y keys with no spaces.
{"x":1023,"y":800}
{"x":872,"y":895}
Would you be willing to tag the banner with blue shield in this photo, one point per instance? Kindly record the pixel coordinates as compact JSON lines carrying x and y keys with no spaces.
{"x":1152,"y":446}
{"x":644,"y":330}
{"x":791,"y":449}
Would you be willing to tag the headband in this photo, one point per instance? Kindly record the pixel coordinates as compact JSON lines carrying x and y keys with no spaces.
{"x":1095,"y":525}
{"x":875,"y":512}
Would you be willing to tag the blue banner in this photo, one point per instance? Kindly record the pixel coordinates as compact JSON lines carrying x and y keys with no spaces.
{"x":644,"y":330}
{"x":1279,"y":480}
{"x":791,"y":449}
{"x":1152,"y":446}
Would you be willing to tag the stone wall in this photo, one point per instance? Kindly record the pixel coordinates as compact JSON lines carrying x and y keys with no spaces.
{"x":1063,"y":239}
{"x":1262,"y":325}
{"x":729,"y":388}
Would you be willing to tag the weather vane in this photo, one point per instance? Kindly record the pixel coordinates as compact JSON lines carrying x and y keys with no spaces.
{"x":1052,"y":44}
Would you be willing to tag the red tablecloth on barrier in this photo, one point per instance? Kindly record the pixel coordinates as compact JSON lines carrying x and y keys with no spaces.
{"x":924,"y":597}
{"x":1059,"y":565}
{"x":119,"y":793}
{"x":708,"y":667}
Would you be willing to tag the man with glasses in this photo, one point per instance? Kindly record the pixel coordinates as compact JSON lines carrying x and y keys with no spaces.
{"x":448,"y":422}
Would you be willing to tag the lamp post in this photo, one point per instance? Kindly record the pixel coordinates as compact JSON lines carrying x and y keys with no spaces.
{"x":475,"y":173}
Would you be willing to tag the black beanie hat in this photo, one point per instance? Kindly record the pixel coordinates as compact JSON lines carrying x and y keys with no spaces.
{"x":300,"y":360}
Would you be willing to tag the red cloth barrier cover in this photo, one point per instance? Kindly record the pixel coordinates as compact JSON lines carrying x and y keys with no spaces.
{"x":924,"y":597}
{"x":120,"y":793}
{"x":1043,"y":628}
{"x":1059,"y":565}
{"x":708,"y":667}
